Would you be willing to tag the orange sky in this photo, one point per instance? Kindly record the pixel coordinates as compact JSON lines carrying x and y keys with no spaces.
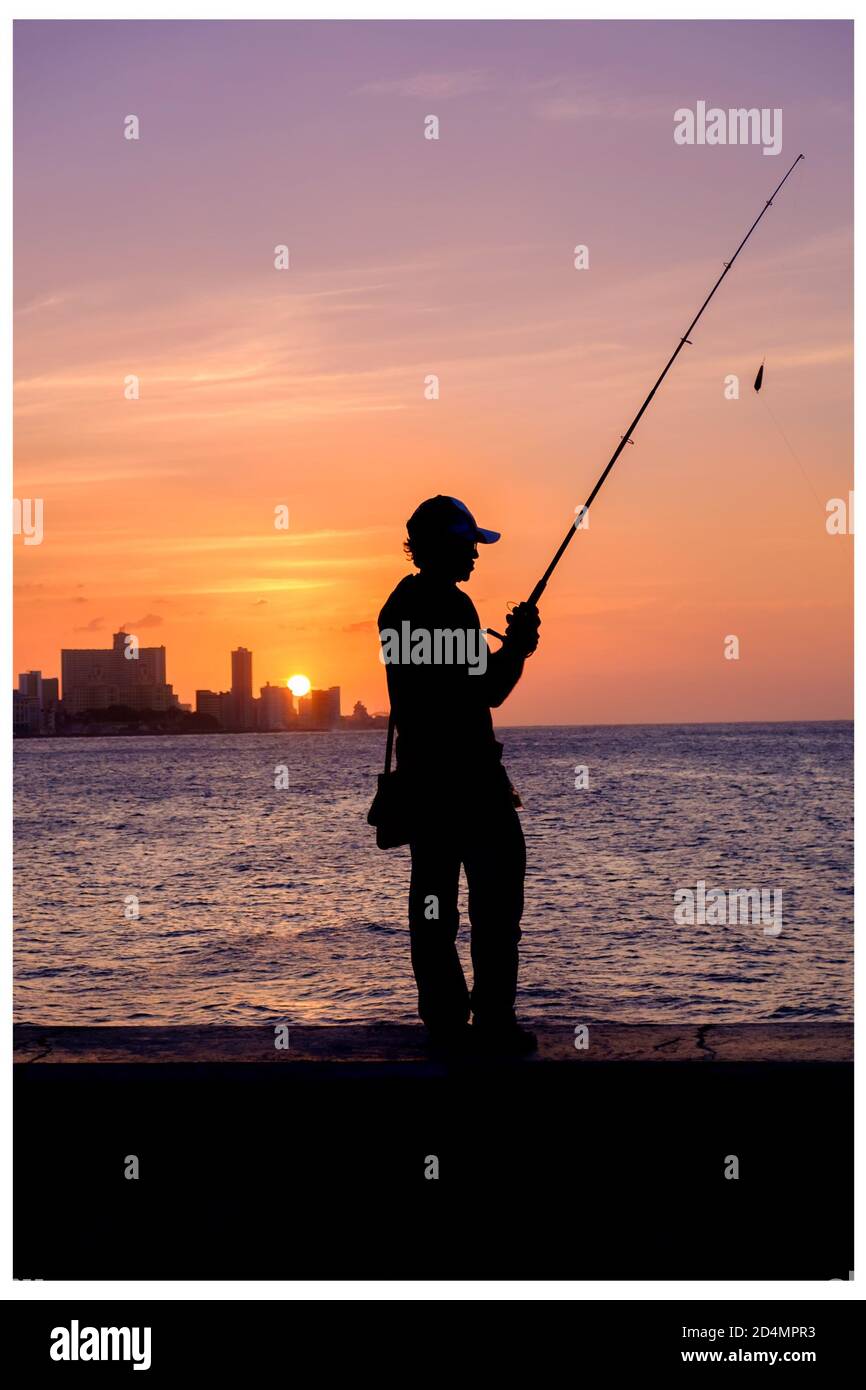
{"x":454,"y":257}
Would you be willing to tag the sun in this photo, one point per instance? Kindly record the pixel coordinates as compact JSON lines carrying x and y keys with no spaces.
{"x":299,"y":685}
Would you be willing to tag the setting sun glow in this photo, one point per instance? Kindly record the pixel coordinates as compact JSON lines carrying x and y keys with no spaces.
{"x":299,"y":685}
{"x":305,"y":386}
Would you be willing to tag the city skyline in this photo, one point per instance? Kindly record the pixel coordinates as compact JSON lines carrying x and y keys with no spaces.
{"x":431,"y":333}
{"x":128,"y":675}
{"x":32,"y":682}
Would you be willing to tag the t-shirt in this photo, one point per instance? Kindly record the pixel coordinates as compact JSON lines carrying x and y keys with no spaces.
{"x":445,"y":736}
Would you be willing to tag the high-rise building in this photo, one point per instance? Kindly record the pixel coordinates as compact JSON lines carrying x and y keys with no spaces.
{"x":276,"y":707}
{"x":244,"y":714}
{"x":30,"y":683}
{"x":34,"y":704}
{"x":320,"y":709}
{"x":218,"y":704}
{"x":26,"y":714}
{"x":122,"y":674}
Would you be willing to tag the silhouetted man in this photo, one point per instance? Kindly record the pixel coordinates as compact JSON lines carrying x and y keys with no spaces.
{"x":443,"y":681}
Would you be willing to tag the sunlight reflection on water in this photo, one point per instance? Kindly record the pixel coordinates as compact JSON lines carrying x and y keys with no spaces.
{"x":264,"y":904}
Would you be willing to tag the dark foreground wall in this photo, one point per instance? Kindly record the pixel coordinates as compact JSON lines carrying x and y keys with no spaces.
{"x":312,"y":1162}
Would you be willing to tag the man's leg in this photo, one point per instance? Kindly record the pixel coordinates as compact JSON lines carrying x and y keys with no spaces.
{"x":495,"y":861}
{"x":443,"y":999}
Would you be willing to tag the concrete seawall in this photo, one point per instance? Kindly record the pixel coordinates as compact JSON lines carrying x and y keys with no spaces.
{"x":316,"y":1161}
{"x":391,"y":1044}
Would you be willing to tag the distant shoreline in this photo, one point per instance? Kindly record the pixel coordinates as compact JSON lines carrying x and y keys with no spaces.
{"x":184,"y":733}
{"x":360,"y":729}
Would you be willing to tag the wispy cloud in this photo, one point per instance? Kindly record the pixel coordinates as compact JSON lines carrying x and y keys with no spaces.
{"x":149,"y":620}
{"x":133,"y":542}
{"x":434,"y":85}
{"x":585,"y":99}
{"x":557,"y":98}
{"x":275,"y":586}
{"x":36,"y":306}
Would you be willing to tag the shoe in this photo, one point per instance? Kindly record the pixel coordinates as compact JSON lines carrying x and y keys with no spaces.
{"x":510,"y":1040}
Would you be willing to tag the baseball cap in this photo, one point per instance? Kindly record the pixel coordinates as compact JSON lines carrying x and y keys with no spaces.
{"x":447,"y":516}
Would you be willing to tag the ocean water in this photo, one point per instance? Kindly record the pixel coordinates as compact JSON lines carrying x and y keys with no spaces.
{"x":264,"y":904}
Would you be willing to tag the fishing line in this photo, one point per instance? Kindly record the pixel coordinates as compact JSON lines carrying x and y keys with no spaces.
{"x":791,"y":450}
{"x":627,"y":437}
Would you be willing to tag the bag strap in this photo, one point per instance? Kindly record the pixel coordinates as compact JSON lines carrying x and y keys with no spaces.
{"x":390,"y":741}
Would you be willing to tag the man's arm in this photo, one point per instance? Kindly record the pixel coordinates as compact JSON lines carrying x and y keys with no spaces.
{"x":505,"y":667}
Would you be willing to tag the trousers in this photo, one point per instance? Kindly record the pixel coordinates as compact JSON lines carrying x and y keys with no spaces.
{"x":489,"y":845}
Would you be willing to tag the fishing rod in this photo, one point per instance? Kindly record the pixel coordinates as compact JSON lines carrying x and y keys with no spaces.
{"x":626,"y":438}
